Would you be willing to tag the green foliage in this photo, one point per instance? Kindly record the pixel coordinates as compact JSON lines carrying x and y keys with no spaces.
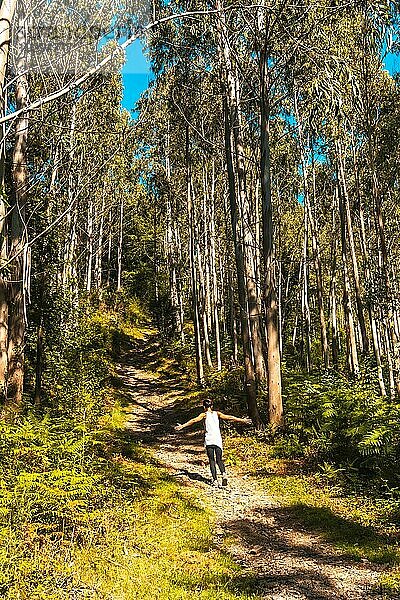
{"x":226,"y":387}
{"x":330,"y":418}
{"x":56,"y":473}
{"x":84,"y":511}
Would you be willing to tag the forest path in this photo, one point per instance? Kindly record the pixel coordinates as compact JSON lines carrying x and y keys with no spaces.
{"x":285,"y":561}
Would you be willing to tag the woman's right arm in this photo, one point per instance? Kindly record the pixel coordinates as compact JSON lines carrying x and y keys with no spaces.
{"x":191,"y":422}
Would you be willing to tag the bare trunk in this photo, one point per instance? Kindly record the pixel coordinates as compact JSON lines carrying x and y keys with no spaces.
{"x":274,"y":356}
{"x":214,"y":274}
{"x":196,"y":320}
{"x":18,"y":235}
{"x":367,"y":274}
{"x":352,"y":356}
{"x":305,"y":307}
{"x":109,"y":247}
{"x":7,"y":10}
{"x":171,"y":245}
{"x":120,"y":241}
{"x":253,"y":302}
{"x":98,"y":273}
{"x":231,"y":130}
{"x":388,"y":284}
{"x":89,"y":246}
{"x":318,"y":277}
{"x":70,"y":267}
{"x":203,"y":303}
{"x":309,"y":219}
{"x":39,"y":363}
{"x":352,"y":248}
{"x":250,"y":380}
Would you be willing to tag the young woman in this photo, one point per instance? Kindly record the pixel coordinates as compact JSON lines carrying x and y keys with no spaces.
{"x":213,"y":439}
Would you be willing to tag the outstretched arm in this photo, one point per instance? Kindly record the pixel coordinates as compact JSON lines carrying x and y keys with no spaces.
{"x":191,"y":422}
{"x":246,"y":421}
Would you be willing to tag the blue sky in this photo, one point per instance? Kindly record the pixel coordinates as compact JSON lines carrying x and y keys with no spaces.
{"x":392,"y":62}
{"x":135,"y":75}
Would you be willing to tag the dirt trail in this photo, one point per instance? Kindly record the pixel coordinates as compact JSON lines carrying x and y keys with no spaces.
{"x":287,"y":562}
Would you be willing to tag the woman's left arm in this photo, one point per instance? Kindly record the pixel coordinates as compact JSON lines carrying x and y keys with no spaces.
{"x":224,"y":417}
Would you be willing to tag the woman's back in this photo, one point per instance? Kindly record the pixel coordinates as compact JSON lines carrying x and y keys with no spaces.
{"x":213,"y":433}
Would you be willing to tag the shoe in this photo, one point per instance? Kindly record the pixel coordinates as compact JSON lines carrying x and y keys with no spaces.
{"x":214,"y":483}
{"x":224,"y":480}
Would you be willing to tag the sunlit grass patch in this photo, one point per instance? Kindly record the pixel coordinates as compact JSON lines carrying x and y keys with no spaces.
{"x":159,"y":546}
{"x":250,"y":455}
{"x":359,"y":527}
{"x":145,"y":536}
{"x":390,"y":582}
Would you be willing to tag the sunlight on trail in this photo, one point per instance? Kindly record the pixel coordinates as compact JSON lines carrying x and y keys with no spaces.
{"x":249,"y":547}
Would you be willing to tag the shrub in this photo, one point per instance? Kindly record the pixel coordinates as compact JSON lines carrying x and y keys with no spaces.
{"x":343,"y":421}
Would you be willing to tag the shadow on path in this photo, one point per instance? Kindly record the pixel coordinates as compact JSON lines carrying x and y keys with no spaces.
{"x":283,"y":555}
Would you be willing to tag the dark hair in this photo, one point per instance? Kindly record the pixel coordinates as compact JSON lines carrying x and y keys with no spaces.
{"x":207,"y":403}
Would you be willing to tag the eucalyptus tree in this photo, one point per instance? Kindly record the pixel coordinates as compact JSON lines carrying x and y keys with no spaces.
{"x":36,"y":58}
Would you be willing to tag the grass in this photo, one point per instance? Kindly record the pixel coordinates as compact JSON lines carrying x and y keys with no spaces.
{"x":359,"y":527}
{"x":151,"y":539}
{"x":132,"y":532}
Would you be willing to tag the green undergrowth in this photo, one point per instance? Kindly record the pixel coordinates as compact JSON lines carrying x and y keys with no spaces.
{"x":84,"y":511}
{"x":361,"y":526}
{"x":128,"y":532}
{"x":330,"y":418}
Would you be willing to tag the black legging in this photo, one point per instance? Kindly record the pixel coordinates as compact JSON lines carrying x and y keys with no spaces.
{"x":214,"y":454}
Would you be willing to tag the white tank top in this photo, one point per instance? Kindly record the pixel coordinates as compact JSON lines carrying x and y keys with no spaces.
{"x":213,"y":433}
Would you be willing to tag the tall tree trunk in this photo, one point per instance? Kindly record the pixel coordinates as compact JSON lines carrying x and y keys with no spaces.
{"x":109,"y":245}
{"x":18,"y":233}
{"x":214,"y":273}
{"x":274,"y":356}
{"x":206,"y":251}
{"x":367,"y":275}
{"x":179,"y":284}
{"x":310,"y":219}
{"x":172,"y":244}
{"x":250,"y":380}
{"x":305,"y":307}
{"x":379,"y":223}
{"x":231,"y":139}
{"x":98,"y":272}
{"x":333,"y":303}
{"x":253,"y":301}
{"x":120,"y":242}
{"x":352,"y":248}
{"x":192,"y":256}
{"x":7,"y":10}
{"x":352,"y":356}
{"x":318,"y":275}
{"x":70,"y":263}
{"x":39,"y":362}
{"x":203,"y":303}
{"x":89,"y":245}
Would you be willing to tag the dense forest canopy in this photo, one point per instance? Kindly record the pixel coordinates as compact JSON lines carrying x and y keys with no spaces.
{"x":265,"y":137}
{"x":239,"y":239}
{"x":253,"y":205}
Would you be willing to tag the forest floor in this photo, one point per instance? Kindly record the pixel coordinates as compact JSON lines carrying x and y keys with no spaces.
{"x":277,"y":557}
